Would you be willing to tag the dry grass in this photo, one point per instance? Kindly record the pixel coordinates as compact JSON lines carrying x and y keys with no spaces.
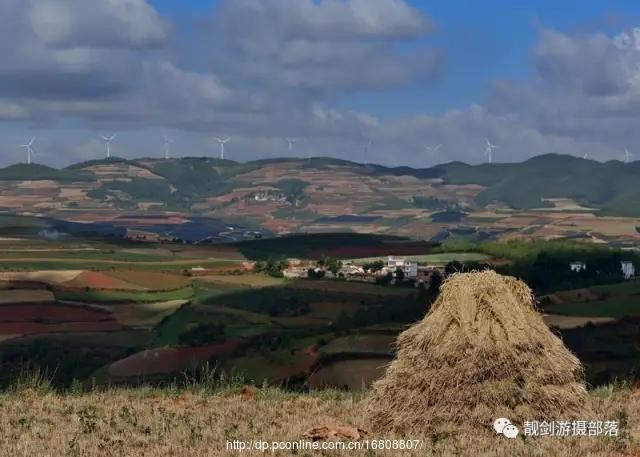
{"x":198,"y":423}
{"x":481,"y":350}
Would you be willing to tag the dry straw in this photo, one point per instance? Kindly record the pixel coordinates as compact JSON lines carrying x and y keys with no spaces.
{"x":481,"y":352}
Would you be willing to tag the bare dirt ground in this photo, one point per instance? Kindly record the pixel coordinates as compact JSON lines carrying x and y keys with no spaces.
{"x":44,"y":276}
{"x":17,"y":296}
{"x":199,"y":423}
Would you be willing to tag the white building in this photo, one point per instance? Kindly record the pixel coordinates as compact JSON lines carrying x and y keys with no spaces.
{"x":352,"y":270}
{"x":408,"y":267}
{"x":628,"y":269}
{"x":577,"y":267}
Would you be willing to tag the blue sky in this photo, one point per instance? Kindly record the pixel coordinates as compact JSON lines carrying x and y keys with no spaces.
{"x":483,"y":41}
{"x":535,"y":76}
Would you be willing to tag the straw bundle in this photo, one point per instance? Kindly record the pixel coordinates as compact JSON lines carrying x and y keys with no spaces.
{"x":480,"y":353}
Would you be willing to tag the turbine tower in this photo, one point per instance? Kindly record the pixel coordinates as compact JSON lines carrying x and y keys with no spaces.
{"x":291,"y":142}
{"x":222,"y":142}
{"x":627,"y":155}
{"x":29,"y":149}
{"x":489,"y":150}
{"x":167,"y":147}
{"x":108,"y":140}
{"x":367,"y":145}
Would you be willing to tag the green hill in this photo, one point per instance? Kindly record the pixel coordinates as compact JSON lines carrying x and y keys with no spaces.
{"x":36,"y":172}
{"x":613,"y":186}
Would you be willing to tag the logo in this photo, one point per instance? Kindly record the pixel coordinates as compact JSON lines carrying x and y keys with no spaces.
{"x":503,"y":426}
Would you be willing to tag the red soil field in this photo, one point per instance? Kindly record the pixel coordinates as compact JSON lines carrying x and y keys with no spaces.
{"x":151,"y":279}
{"x":27,"y":313}
{"x":97,"y":280}
{"x":30,"y":328}
{"x":168,"y":360}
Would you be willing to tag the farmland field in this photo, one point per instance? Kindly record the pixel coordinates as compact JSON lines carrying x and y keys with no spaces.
{"x":614,"y":301}
{"x":124,"y":296}
{"x":12,"y":296}
{"x":143,"y":314}
{"x":151,"y":279}
{"x":567,"y":322}
{"x":153,"y":317}
{"x":168,"y":360}
{"x":50,"y":313}
{"x":433,"y":258}
{"x":244,"y":280}
{"x":360,"y":344}
{"x":357,"y":374}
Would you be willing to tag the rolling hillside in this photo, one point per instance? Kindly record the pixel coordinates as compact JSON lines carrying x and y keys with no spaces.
{"x":613,"y":187}
{"x":325,"y":194}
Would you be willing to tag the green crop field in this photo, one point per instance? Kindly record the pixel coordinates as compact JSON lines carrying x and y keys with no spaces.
{"x":87,"y":264}
{"x":125,"y":296}
{"x":614,"y":300}
{"x":441,"y":258}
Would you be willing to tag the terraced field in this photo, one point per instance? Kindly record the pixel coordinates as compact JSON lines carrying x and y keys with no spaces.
{"x":611,"y":301}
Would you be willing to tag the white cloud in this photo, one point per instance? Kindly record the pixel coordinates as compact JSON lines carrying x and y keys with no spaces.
{"x":102,"y":23}
{"x":267,"y":69}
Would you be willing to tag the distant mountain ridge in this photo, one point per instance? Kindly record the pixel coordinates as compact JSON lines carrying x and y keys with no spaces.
{"x":201,"y":184}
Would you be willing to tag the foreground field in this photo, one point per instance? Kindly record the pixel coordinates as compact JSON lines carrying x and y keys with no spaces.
{"x":198,"y":422}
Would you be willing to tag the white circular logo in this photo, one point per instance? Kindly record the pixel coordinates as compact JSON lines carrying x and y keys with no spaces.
{"x":500,"y":423}
{"x":503,"y":426}
{"x":510,"y":431}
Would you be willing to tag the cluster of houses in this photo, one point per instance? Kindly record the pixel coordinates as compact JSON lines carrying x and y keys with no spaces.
{"x":352,"y":272}
{"x":268,"y":196}
{"x":420,"y":275}
{"x":627,"y":267}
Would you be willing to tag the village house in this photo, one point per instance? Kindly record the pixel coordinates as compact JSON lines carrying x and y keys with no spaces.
{"x":351,"y":270}
{"x":268,"y":195}
{"x":628,"y":269}
{"x":577,"y":266}
{"x":408,"y":267}
{"x":295,"y":272}
{"x":626,"y":266}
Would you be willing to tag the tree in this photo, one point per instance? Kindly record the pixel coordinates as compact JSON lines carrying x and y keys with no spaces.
{"x":313,"y":274}
{"x":435,"y":282}
{"x":399,"y":275}
{"x":374,"y":266}
{"x":453,"y":267}
{"x":384,"y":279}
{"x":332,"y":264}
{"x":204,"y":334}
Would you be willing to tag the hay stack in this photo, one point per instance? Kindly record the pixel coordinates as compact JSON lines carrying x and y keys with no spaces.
{"x":481,"y":352}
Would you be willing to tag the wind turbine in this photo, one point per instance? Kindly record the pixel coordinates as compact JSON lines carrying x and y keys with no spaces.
{"x":367,"y":145}
{"x":433,"y":149}
{"x":291,"y":142}
{"x":29,"y":149}
{"x":627,"y":155}
{"x":167,"y":147}
{"x":489,"y":150}
{"x":585,"y":156}
{"x":222,"y":142}
{"x":108,"y":140}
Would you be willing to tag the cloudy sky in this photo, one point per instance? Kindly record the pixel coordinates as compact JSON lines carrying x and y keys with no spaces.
{"x":534,"y":77}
